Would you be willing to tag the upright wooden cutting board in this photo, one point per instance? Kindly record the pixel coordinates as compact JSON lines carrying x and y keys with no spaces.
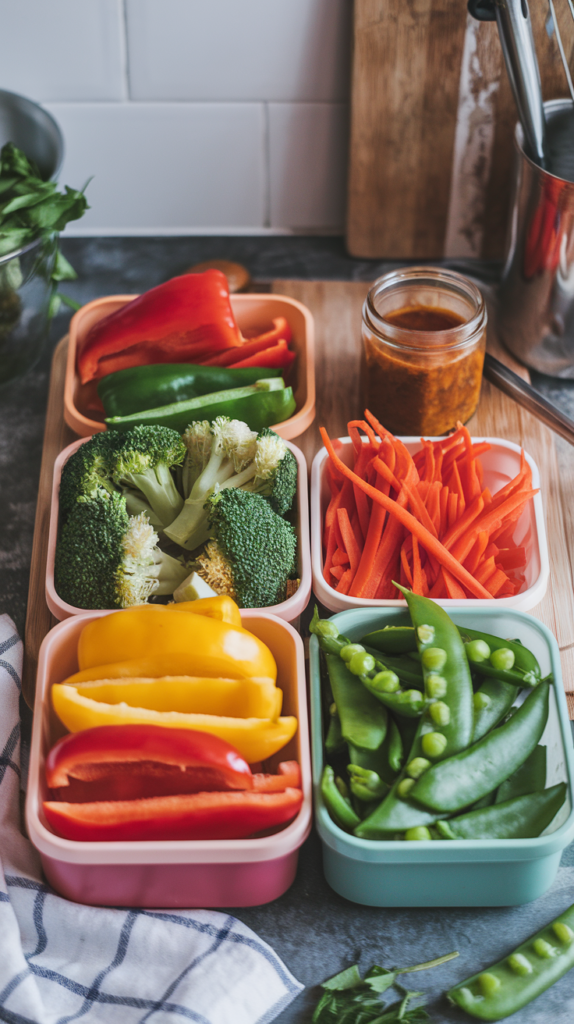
{"x":432,"y":121}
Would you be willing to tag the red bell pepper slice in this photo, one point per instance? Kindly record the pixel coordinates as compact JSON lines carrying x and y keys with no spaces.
{"x":280,"y":331}
{"x":187,"y":319}
{"x":129,"y":762}
{"x":231,"y":815}
{"x":288,"y":777}
{"x":277,"y":355}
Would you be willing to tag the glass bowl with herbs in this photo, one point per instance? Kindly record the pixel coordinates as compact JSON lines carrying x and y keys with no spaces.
{"x":32,"y":213}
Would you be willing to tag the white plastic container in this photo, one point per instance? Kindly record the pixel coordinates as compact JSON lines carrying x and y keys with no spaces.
{"x":290,"y":610}
{"x":501,"y":464}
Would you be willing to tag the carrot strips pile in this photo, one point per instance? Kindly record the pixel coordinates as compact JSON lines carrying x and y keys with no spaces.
{"x":425,"y":521}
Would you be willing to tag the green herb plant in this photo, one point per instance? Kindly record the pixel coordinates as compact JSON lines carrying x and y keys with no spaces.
{"x":32,"y":209}
{"x":350,"y":999}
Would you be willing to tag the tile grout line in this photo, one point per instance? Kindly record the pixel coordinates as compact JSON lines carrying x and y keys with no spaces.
{"x":124,"y":40}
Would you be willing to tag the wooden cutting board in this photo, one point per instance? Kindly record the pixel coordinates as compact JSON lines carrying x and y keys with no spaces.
{"x":336,"y":307}
{"x":432,"y":125}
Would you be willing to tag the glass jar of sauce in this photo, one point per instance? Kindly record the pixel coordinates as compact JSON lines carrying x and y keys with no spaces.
{"x":424,"y":336}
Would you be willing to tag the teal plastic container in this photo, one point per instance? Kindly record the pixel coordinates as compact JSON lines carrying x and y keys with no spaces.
{"x":450,"y":873}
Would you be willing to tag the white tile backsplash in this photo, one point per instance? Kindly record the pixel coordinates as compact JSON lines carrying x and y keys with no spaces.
{"x":308,"y":163}
{"x":192,"y":115}
{"x":165,"y":165}
{"x":239,"y":49}
{"x":63,"y":49}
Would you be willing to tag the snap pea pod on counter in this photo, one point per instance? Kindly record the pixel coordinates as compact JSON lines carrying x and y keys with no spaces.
{"x":523,"y":817}
{"x":492,"y":701}
{"x":526,"y":973}
{"x":466,"y":777}
{"x":529,"y":778}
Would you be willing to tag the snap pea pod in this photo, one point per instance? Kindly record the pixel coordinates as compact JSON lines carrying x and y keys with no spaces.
{"x":374,"y":760}
{"x":392,"y":640}
{"x":410,"y":703}
{"x":395,"y":746}
{"x":492,"y":701}
{"x":469,"y":775}
{"x":524,"y":671}
{"x":338,"y":805}
{"x":397,"y":813}
{"x":445,"y":727}
{"x":526,"y":973}
{"x":524,"y":817}
{"x":334,"y":742}
{"x":529,"y":778}
{"x":446,"y":673}
{"x":408,"y":672}
{"x":363,"y":718}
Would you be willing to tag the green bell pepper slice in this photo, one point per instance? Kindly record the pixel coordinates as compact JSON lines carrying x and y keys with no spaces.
{"x":149,"y":387}
{"x":259,"y":405}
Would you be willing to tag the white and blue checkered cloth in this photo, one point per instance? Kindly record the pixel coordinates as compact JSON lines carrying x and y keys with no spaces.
{"x":61,"y":962}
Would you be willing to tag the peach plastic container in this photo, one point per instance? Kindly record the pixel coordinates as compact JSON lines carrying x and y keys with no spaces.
{"x":253,"y":314}
{"x":169,"y":873}
{"x":290,"y":609}
{"x":500,"y":464}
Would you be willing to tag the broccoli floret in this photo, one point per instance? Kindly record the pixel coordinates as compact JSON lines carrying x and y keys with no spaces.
{"x":108,"y":559}
{"x":197,"y":440}
{"x":143,"y":460}
{"x":232,"y":448}
{"x":275,"y":472}
{"x":252,"y":551}
{"x":88,"y":471}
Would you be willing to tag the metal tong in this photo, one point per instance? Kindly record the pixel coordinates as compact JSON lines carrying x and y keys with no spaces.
{"x":517,"y":41}
{"x":511,"y":384}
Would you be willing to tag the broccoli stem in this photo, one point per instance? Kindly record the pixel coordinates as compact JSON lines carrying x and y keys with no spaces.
{"x":159,"y":488}
{"x":192,"y":518}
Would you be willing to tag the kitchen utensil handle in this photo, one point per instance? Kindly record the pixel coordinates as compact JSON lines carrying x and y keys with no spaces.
{"x":511,"y":384}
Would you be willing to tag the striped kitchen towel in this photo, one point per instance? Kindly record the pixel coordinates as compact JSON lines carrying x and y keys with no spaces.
{"x":62,"y":962}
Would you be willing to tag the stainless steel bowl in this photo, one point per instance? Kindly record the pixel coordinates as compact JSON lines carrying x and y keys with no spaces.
{"x":33,"y":130}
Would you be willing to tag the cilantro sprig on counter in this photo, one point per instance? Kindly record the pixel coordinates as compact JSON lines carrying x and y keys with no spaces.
{"x":31,"y":208}
{"x":350,"y":999}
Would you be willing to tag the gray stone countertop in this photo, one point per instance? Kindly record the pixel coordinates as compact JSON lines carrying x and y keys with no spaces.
{"x":316,"y":932}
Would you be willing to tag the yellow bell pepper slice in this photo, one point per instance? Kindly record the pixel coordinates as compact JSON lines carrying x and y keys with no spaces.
{"x":221,"y":607}
{"x":235,"y":698}
{"x":255,"y":738}
{"x":213,"y":648}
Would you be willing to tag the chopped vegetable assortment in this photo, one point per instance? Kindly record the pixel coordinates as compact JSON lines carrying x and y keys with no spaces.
{"x":461,"y":774}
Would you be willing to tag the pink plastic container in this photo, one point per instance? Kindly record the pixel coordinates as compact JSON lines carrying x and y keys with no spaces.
{"x":164,"y":873}
{"x":501,"y":464}
{"x":253,"y":313}
{"x":289,"y":610}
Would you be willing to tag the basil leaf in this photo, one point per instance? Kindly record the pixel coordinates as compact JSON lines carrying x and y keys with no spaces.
{"x":348,"y":978}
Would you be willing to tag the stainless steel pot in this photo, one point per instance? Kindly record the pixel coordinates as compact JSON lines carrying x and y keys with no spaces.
{"x":536,"y":307}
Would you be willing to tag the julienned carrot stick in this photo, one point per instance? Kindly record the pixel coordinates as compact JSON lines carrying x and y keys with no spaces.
{"x":429,"y":542}
{"x":349,"y":540}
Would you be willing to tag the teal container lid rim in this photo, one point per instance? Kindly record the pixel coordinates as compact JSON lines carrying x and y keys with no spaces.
{"x":436,"y":850}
